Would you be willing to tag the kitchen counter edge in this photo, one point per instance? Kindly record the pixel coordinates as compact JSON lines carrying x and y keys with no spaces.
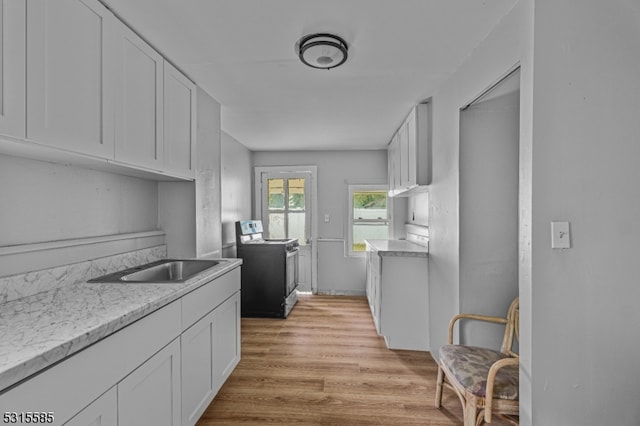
{"x":397,"y":248}
{"x":39,"y":331}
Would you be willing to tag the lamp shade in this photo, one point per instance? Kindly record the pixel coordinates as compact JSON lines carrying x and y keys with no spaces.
{"x":323,"y":51}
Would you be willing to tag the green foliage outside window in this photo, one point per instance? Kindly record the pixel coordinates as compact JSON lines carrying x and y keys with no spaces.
{"x":366,"y":200}
{"x":296,"y":201}
{"x":276,"y":201}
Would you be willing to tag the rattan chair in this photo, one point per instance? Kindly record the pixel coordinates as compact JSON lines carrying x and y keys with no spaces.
{"x":485,"y":380}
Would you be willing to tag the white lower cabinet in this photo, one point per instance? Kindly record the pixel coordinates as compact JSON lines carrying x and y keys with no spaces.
{"x":163,"y":369}
{"x":210,"y":351}
{"x":197,"y":374}
{"x":404,"y":302}
{"x":75,"y":383}
{"x":398,"y":296}
{"x":103,"y":411}
{"x":150,"y":395}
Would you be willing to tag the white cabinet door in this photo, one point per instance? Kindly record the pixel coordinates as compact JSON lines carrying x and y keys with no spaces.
{"x":210,"y":352}
{"x":12,"y":68}
{"x":150,"y":395}
{"x":403,"y":136}
{"x":139,"y":84}
{"x":179,"y":122}
{"x":403,"y":297}
{"x":390,"y":167}
{"x":69,"y":96}
{"x":226,"y":340}
{"x":411,"y":152}
{"x":394,"y":170}
{"x":197,"y":369}
{"x":101,"y":412}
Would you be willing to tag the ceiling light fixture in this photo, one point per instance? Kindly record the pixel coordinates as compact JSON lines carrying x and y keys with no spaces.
{"x":323,"y":51}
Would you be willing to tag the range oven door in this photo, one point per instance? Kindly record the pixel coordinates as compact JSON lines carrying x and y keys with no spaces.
{"x":292,"y":270}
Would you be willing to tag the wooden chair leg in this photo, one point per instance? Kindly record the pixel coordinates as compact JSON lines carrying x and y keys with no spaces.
{"x":470,"y":411}
{"x":439,"y":382}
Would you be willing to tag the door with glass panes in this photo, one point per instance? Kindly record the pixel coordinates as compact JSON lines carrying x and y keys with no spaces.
{"x":286,"y":213}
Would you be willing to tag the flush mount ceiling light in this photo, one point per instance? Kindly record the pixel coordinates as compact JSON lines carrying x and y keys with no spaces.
{"x":323,"y":51}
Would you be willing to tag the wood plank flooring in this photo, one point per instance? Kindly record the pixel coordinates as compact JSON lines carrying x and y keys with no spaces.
{"x":326,"y":365}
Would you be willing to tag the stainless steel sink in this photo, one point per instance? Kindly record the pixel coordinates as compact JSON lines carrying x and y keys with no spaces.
{"x":161,"y":271}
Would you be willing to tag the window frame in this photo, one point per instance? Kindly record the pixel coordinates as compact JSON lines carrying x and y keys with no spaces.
{"x":351,"y":221}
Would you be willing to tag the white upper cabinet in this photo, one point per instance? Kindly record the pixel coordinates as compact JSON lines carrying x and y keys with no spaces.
{"x":12,"y":68}
{"x":405,"y":151}
{"x":179,"y":123}
{"x":411,"y":177}
{"x":139,"y":93}
{"x":393,"y":153}
{"x":69,"y":96}
{"x":88,"y":91}
{"x":409,"y":153}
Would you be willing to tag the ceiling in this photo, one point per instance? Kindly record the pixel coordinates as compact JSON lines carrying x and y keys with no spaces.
{"x":242,"y":53}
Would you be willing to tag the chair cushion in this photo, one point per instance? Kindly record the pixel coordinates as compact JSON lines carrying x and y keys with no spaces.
{"x":470,"y":366}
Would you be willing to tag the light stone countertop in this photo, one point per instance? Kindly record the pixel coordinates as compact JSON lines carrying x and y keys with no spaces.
{"x":40,"y":330}
{"x":398,"y":248}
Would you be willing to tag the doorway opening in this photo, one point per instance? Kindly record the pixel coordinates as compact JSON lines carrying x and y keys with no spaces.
{"x":489,"y":204}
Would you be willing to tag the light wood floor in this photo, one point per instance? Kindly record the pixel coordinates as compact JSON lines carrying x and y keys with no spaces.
{"x":326,"y":365}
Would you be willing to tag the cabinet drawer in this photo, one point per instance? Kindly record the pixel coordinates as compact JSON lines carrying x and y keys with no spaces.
{"x":201,"y":301}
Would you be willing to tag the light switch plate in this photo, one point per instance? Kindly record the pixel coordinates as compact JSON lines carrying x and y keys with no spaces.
{"x":326,"y":218}
{"x":560,"y":235}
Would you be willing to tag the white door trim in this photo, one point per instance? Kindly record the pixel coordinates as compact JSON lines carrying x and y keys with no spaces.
{"x":257,"y":206}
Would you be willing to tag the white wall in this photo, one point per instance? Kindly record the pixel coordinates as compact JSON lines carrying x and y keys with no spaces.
{"x":509,"y":44}
{"x":505,"y":47}
{"x":578,"y":162}
{"x":43,"y":202}
{"x":418,"y":209}
{"x":586,"y":322}
{"x":177,"y":218}
{"x":236,"y":189}
{"x":336,"y":169}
